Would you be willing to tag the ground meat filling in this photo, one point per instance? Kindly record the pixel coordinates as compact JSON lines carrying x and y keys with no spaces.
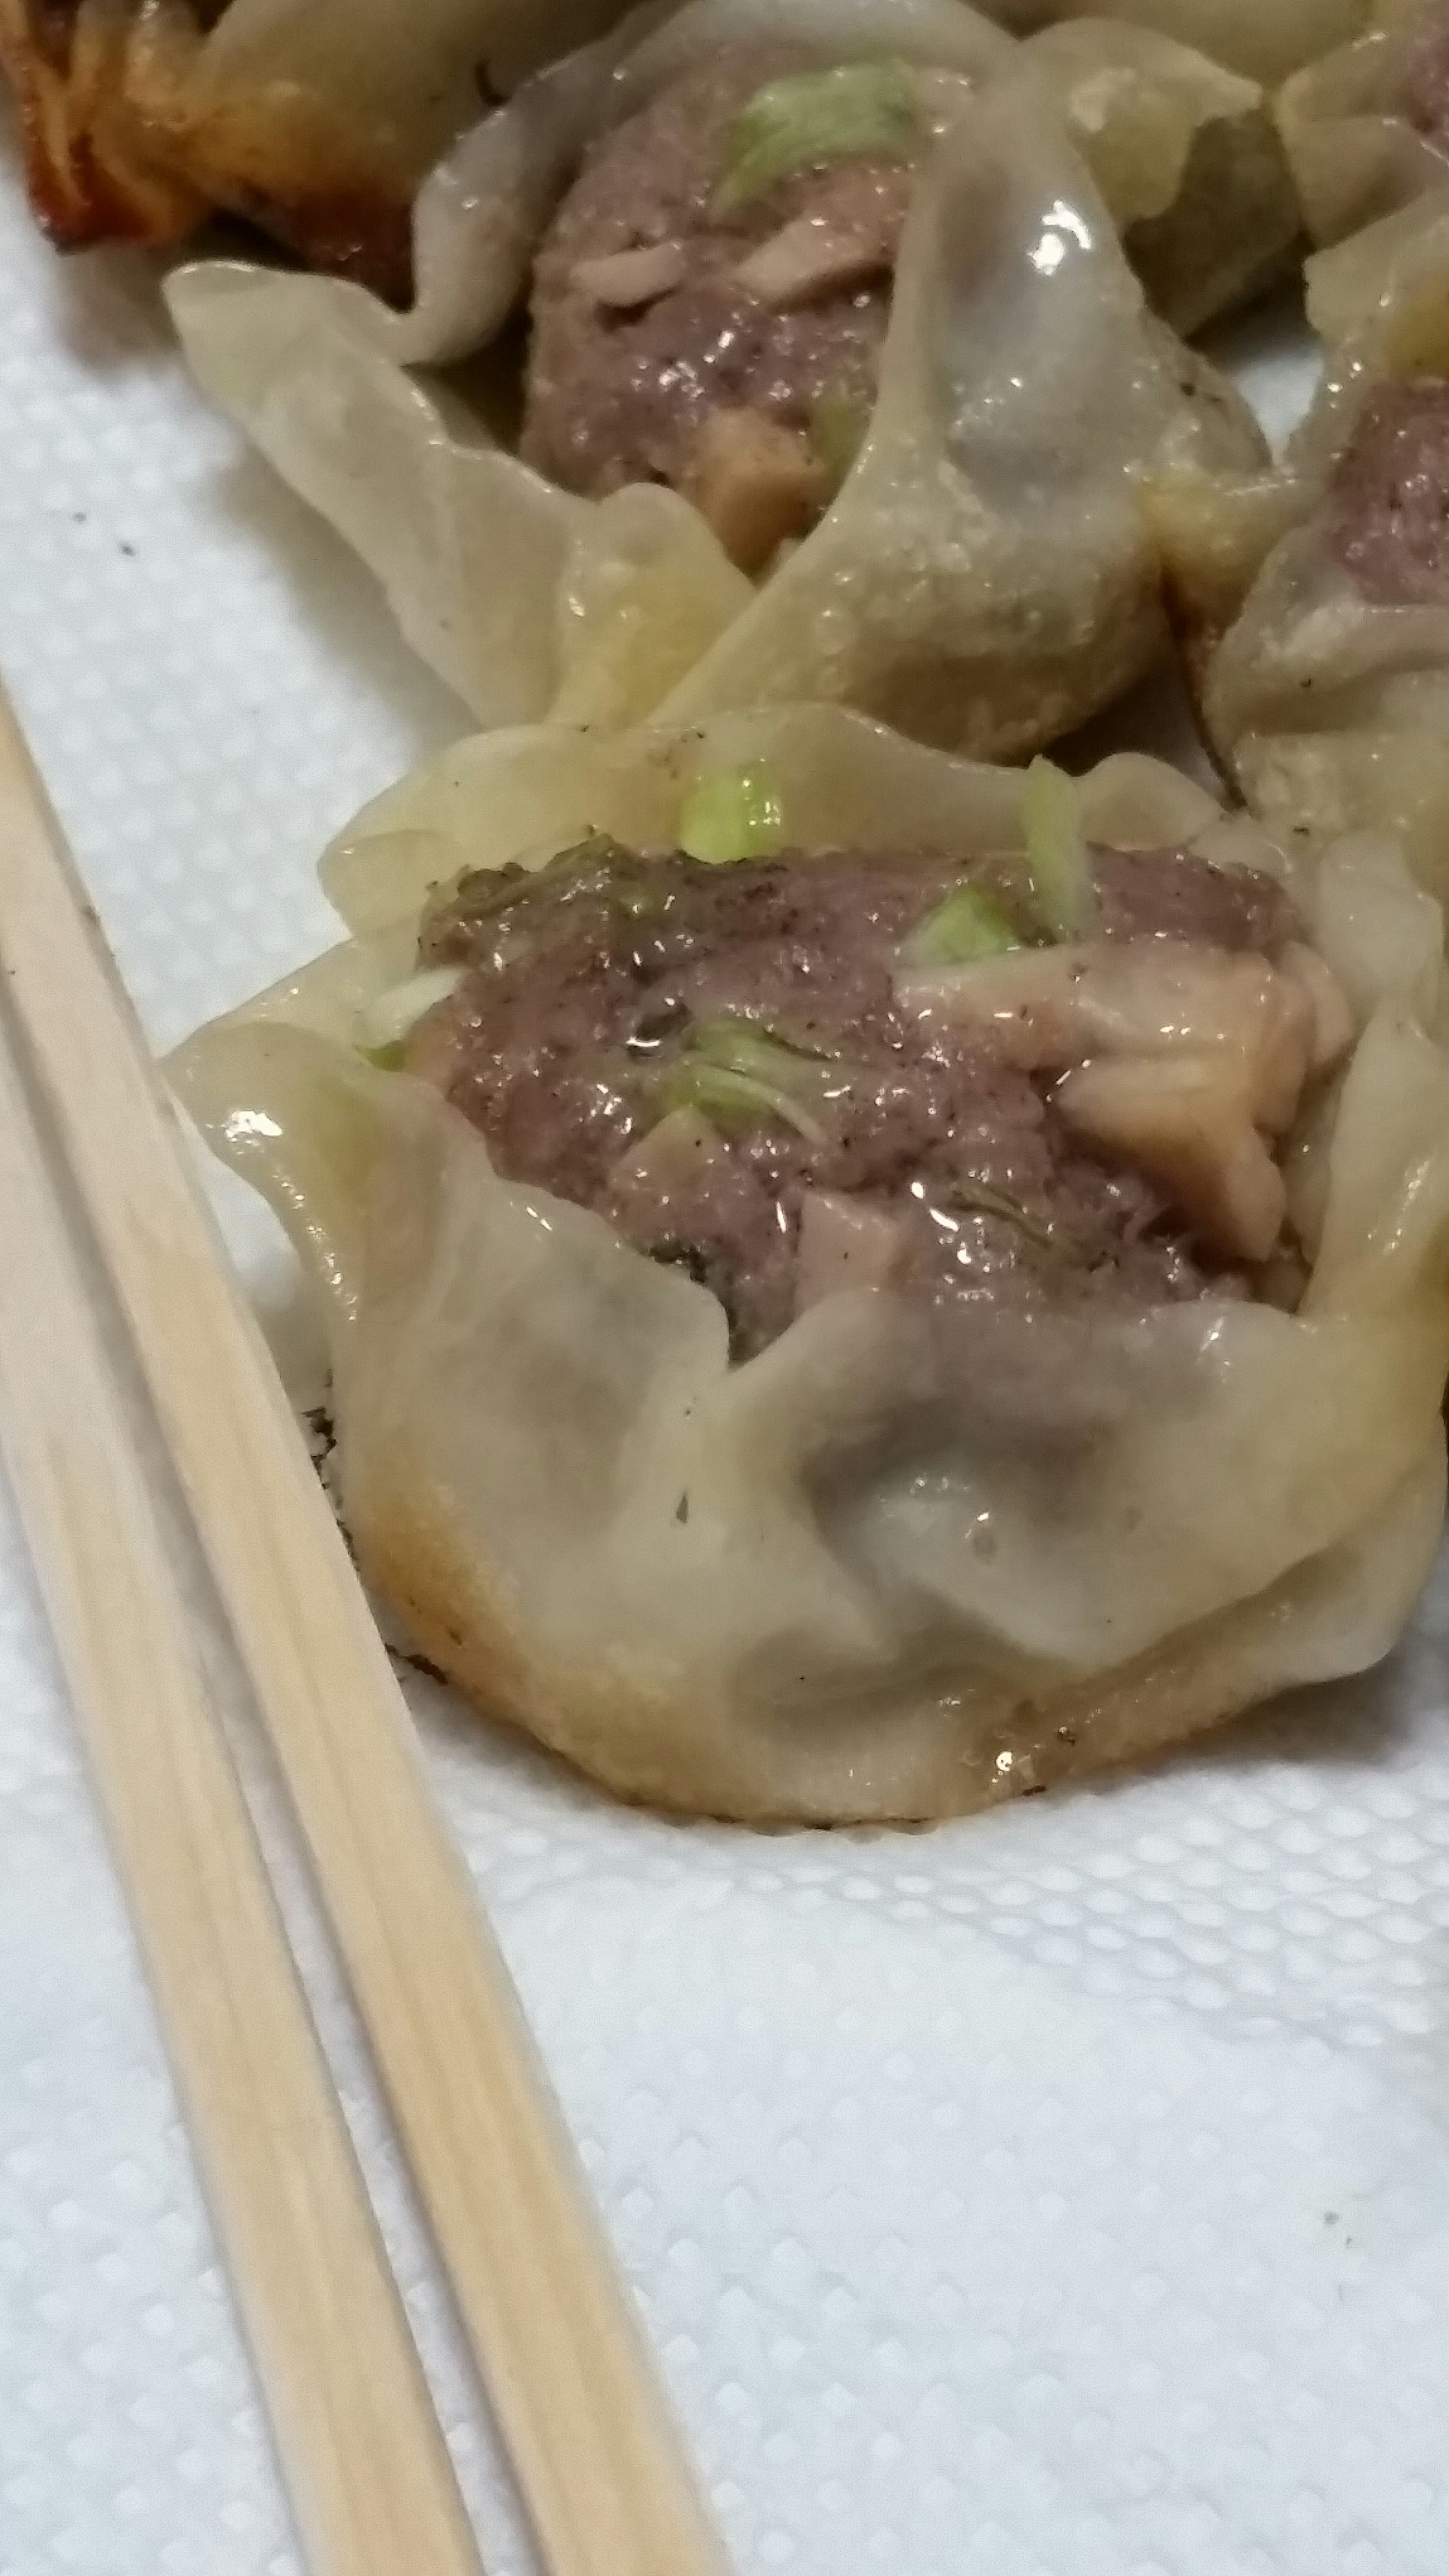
{"x":728,"y":347}
{"x":713,"y":1058}
{"x":1426,"y":82}
{"x":1389,"y":520}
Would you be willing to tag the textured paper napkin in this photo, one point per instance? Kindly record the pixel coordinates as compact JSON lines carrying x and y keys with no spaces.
{"x":1061,"y":2194}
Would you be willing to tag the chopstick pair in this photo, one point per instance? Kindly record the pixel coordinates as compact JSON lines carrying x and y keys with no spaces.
{"x":595,"y":2454}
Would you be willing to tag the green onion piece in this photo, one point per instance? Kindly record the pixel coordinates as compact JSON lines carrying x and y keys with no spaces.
{"x":478,"y":893}
{"x":839,"y":428}
{"x":732,"y":814}
{"x":1063,"y":1248}
{"x":729,"y":1100}
{"x":1056,"y":853}
{"x":968,"y":925}
{"x":978,"y":1200}
{"x":388,"y":1020}
{"x":855,"y":112}
{"x":745,"y":1047}
{"x":740,"y":1075}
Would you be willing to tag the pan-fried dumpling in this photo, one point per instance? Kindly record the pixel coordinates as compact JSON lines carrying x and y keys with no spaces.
{"x":1264,"y":40}
{"x":1186,"y":155}
{"x":1328,"y":694}
{"x":315,"y":118}
{"x":839,"y":388}
{"x":858,"y":1284}
{"x":1366,"y":128}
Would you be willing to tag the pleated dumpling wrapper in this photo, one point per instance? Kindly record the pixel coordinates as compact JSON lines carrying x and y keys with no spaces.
{"x":1264,"y":40}
{"x":880,"y":1406}
{"x":315,"y":118}
{"x":1187,"y":157}
{"x":1328,"y":693}
{"x":1366,"y":127}
{"x":928,"y":464}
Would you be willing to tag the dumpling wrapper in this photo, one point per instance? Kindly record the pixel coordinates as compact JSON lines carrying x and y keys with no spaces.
{"x":1187,"y":158}
{"x":1331,"y":709}
{"x":1355,"y":154}
{"x":983,"y":579}
{"x":319,"y":117}
{"x":900,"y":1565}
{"x":1264,"y":40}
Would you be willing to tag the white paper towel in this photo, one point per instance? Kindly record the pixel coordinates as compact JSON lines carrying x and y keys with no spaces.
{"x":1064,"y":2193}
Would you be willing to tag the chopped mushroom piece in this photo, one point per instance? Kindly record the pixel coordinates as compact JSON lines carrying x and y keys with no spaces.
{"x":756,"y":484}
{"x":844,"y":1243}
{"x":1054,"y":1007}
{"x":1186,"y":1122}
{"x":810,"y":258}
{"x":625,"y":279}
{"x":1027,"y":1002}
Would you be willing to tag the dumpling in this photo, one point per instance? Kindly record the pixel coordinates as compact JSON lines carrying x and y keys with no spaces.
{"x":1367,"y":127}
{"x":315,"y":118}
{"x":1264,"y":40}
{"x":1328,"y":693}
{"x":782,"y":437}
{"x":857,"y":1284}
{"x":1187,"y":157}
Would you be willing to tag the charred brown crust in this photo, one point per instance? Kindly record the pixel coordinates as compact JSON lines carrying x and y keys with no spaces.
{"x":94,"y":172}
{"x":118,"y":147}
{"x":354,"y":232}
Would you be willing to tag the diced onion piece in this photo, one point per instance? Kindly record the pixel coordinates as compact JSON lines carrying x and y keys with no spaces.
{"x":811,"y":258}
{"x":843,"y":1243}
{"x":968,"y":925}
{"x":755,"y":483}
{"x":854,"y":112}
{"x":673,"y":1154}
{"x":732,"y":814}
{"x":1027,"y":1004}
{"x":1235,"y":842}
{"x":1056,"y":852}
{"x":1186,"y":1122}
{"x":625,"y":279}
{"x":387,"y":1020}
{"x":1043,"y":1009}
{"x":747,"y":1048}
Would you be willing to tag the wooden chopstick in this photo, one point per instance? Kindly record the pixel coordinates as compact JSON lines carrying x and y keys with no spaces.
{"x":597,"y":2458}
{"x":365,"y":2461}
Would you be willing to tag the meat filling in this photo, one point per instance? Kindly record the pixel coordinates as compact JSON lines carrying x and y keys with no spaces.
{"x":735,"y":1066}
{"x":710,"y":301}
{"x":1426,"y":85}
{"x":1389,"y":519}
